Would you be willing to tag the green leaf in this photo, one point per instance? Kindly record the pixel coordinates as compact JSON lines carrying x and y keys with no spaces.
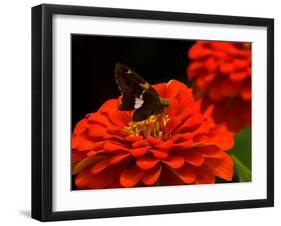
{"x":242,"y":156}
{"x":242,"y":173}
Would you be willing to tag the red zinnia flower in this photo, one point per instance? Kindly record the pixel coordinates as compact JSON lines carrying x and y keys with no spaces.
{"x":222,"y":73}
{"x":181,"y":146}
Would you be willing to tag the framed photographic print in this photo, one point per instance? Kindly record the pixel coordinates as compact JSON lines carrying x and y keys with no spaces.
{"x":145,"y":112}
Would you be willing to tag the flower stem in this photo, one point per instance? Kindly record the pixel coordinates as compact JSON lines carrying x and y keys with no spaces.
{"x":244,"y":174}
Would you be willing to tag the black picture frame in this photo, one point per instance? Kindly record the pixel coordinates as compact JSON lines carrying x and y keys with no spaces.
{"x":42,"y":111}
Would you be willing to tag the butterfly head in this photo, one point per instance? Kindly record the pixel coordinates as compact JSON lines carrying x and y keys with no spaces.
{"x":145,"y":86}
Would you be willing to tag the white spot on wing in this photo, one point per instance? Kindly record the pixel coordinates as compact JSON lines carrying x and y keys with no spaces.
{"x":138,"y":103}
{"x":137,"y":106}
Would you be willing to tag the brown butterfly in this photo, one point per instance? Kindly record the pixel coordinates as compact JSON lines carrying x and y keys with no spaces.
{"x":138,"y":94}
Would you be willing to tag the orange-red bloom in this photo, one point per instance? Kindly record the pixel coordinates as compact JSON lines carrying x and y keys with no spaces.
{"x":181,"y":146}
{"x":222,"y":73}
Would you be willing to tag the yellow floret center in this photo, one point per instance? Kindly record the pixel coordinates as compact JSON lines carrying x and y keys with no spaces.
{"x":153,"y":126}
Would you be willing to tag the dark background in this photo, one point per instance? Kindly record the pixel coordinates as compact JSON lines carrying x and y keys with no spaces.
{"x":94,"y":59}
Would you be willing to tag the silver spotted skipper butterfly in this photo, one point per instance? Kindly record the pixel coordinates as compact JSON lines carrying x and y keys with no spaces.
{"x":138,"y":94}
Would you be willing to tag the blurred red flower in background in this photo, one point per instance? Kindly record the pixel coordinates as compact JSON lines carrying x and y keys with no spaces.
{"x":181,"y":146}
{"x":222,"y":73}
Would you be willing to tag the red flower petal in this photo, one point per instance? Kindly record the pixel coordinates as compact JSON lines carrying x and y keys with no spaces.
{"x":215,"y":93}
{"x":173,"y":88}
{"x":97,"y":131}
{"x":80,"y":143}
{"x":119,"y":118}
{"x":172,"y":124}
{"x":82,"y":179}
{"x":133,"y":138}
{"x":92,"y":153}
{"x":222,"y":138}
{"x":241,"y":64}
{"x":139,"y":144}
{"x":113,"y":147}
{"x":195,"y":69}
{"x":151,"y":176}
{"x":85,"y":163}
{"x":183,"y":145}
{"x":147,"y":162}
{"x":159,"y":154}
{"x":100,"y":166}
{"x":211,"y":64}
{"x":227,"y":67}
{"x":165,"y":146}
{"x":161,"y":89}
{"x":229,"y":88}
{"x":204,"y":82}
{"x":77,"y":156}
{"x":198,"y":51}
{"x":179,"y":138}
{"x":118,"y":157}
{"x":108,"y":177}
{"x":174,"y":162}
{"x":190,"y":124}
{"x":80,"y":127}
{"x":227,"y":47}
{"x":185,"y":99}
{"x":117,"y":130}
{"x":139,"y":152}
{"x":99,"y":119}
{"x":130,"y":177}
{"x":204,"y":175}
{"x":213,"y":162}
{"x":219,"y":111}
{"x":225,"y":170}
{"x":238,"y":76}
{"x":193,"y":158}
{"x":102,"y":180}
{"x":98,"y":148}
{"x":173,"y":108}
{"x":186,"y":174}
{"x":153,"y":141}
{"x":208,"y":150}
{"x":169,"y":177}
{"x":109,"y":106}
{"x":246,"y":92}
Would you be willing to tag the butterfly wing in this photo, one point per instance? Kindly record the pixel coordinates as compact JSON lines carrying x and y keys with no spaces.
{"x":129,"y":85}
{"x":137,"y":94}
{"x":151,"y":105}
